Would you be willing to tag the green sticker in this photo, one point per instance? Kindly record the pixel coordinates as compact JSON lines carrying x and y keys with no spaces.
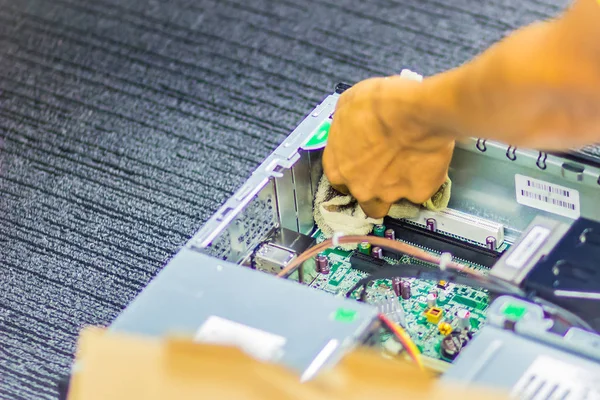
{"x":319,"y":138}
{"x":345,"y":315}
{"x":514,"y":311}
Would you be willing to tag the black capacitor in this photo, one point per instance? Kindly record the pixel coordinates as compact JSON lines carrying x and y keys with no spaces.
{"x":405,"y":290}
{"x":397,"y":286}
{"x":451,"y":346}
{"x":453,"y":343}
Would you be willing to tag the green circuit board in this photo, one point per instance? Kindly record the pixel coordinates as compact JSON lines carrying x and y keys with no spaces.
{"x":426,"y":335}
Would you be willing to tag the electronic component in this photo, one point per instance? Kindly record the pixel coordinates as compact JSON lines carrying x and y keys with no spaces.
{"x":364,"y":248}
{"x":442,"y":284}
{"x":271,"y":258}
{"x":322,"y":263}
{"x":405,"y":290}
{"x":397,"y":286}
{"x":464,"y":226}
{"x":377,"y":252}
{"x":458,"y":248}
{"x":451,"y":345}
{"x":281,"y":247}
{"x":464,"y":319}
{"x":379,"y":230}
{"x":365,"y":263}
{"x":445,"y":328}
{"x":431,"y":300}
{"x":325,"y":269}
{"x":390,"y":234}
{"x":391,"y":309}
{"x":434,"y":315}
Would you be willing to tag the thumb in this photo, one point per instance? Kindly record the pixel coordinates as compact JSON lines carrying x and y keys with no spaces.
{"x":375,"y":208}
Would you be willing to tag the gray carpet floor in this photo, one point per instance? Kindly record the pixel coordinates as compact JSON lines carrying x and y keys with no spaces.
{"x":124,"y":124}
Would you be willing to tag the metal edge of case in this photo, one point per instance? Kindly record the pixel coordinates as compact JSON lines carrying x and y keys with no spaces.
{"x":587,"y":174}
{"x":531,"y":252}
{"x":282,"y":159}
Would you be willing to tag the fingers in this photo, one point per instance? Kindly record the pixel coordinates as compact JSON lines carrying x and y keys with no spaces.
{"x":375,"y":208}
{"x":341,"y":188}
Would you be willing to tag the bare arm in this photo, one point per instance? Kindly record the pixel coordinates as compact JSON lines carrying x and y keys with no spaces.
{"x":392,"y":138}
{"x":538,"y":88}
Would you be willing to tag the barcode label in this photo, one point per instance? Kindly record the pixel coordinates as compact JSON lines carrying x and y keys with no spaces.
{"x":547,"y":188}
{"x":547,"y":196}
{"x":547,"y":199}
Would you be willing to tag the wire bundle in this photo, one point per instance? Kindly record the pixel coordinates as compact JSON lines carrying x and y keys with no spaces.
{"x":403,"y":337}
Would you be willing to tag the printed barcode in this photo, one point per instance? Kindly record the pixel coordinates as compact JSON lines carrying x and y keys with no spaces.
{"x":548,"y":188}
{"x":546,"y":199}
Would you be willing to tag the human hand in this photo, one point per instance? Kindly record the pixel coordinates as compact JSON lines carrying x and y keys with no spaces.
{"x":382,"y":147}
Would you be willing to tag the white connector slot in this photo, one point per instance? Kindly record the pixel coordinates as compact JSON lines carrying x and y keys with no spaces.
{"x":461,"y":225}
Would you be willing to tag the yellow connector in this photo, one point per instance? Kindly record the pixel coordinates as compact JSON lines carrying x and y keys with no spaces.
{"x":434,"y":315}
{"x":442,"y":284}
{"x":445,"y":328}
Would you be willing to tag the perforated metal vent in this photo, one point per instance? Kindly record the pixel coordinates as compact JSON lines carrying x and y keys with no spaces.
{"x":247,"y":230}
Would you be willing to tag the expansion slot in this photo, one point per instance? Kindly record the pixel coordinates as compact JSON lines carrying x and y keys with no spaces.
{"x":461,"y":226}
{"x":408,"y":232}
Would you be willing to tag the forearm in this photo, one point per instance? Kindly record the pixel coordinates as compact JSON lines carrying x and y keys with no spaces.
{"x":538,"y":88}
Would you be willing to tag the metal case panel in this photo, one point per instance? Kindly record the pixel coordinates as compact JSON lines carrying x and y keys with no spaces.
{"x":194,"y":287}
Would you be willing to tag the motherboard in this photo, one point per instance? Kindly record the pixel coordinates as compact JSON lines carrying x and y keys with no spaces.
{"x":432,"y":313}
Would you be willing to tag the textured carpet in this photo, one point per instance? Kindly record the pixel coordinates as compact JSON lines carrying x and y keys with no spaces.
{"x":125,"y":123}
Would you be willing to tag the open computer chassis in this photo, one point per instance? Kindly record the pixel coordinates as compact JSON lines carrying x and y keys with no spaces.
{"x":511,"y":216}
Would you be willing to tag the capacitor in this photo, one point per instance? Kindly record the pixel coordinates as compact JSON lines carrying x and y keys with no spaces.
{"x":405,"y":290}
{"x":397,"y":286}
{"x":390,"y":234}
{"x":431,"y":300}
{"x":364,"y":247}
{"x":325,"y":269}
{"x":464,"y":318}
{"x":431,"y":224}
{"x":379,"y":230}
{"x":490,"y":243}
{"x":322,"y":262}
{"x":451,"y":345}
{"x":377,"y":252}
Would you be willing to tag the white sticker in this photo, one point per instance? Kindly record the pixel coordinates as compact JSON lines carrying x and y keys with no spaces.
{"x":528,"y":246}
{"x":550,"y":378}
{"x":547,"y":196}
{"x":262,"y":345}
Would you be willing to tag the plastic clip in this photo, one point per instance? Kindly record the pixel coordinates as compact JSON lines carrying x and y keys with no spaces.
{"x":335,"y":239}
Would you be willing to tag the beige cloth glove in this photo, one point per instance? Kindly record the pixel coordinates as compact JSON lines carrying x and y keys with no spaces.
{"x":337,"y":212}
